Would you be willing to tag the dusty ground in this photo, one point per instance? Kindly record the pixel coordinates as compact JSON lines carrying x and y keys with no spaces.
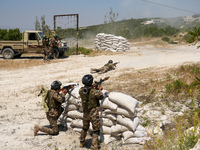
{"x":20,"y":107}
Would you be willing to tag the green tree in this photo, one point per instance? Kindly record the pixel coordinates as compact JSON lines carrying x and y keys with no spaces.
{"x":3,"y":33}
{"x":37,"y":24}
{"x":194,"y":36}
{"x":111,"y":16}
{"x":13,"y":34}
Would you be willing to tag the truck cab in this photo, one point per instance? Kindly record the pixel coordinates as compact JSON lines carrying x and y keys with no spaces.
{"x":31,"y":43}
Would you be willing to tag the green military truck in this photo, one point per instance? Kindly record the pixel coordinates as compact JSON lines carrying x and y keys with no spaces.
{"x":31,"y":43}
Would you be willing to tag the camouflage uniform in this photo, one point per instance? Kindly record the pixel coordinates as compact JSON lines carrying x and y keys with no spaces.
{"x":54,"y":103}
{"x":90,"y":103}
{"x":107,"y":67}
{"x":53,"y":44}
{"x":45,"y":42}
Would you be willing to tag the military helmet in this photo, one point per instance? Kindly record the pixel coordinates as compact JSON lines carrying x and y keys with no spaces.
{"x":87,"y":79}
{"x":110,"y":61}
{"x":55,"y":85}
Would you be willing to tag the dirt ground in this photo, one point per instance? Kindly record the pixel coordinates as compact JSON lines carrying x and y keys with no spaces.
{"x":20,"y":107}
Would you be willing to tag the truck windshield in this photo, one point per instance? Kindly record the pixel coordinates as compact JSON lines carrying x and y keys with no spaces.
{"x":41,"y":34}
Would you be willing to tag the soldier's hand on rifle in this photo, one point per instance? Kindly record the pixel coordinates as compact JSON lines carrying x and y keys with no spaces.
{"x":100,"y":88}
{"x":64,"y":91}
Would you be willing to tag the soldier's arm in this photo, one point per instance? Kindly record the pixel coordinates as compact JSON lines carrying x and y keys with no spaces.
{"x":59,"y":98}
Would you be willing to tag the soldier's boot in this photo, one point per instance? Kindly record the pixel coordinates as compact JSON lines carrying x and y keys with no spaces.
{"x":82,"y":144}
{"x":82,"y":138}
{"x":36,"y":129}
{"x":94,"y":142}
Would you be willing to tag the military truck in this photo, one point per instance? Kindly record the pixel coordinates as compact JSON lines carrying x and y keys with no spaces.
{"x":31,"y":43}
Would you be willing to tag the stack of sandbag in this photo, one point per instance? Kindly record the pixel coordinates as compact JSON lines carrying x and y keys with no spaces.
{"x":109,"y":42}
{"x":118,"y":116}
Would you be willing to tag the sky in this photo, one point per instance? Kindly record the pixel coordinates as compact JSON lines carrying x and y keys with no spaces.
{"x":22,"y":13}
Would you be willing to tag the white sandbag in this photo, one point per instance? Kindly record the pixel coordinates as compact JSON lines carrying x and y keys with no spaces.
{"x":70,"y":107}
{"x":77,"y":129}
{"x":75,"y":101}
{"x":77,"y":123}
{"x":106,"y":138}
{"x":75,"y":114}
{"x":73,"y":93}
{"x":119,"y":134}
{"x":128,"y":134}
{"x":129,"y":123}
{"x":106,"y":122}
{"x":106,"y":103}
{"x":123,"y":100}
{"x":105,"y":93}
{"x":121,"y":111}
{"x":110,"y":116}
{"x":118,"y":128}
{"x":140,"y":128}
{"x":105,"y":130}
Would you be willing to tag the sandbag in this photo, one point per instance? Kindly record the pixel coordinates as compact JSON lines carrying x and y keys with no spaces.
{"x":121,"y":111}
{"x":70,"y":107}
{"x":73,"y":93}
{"x":75,"y":114}
{"x":106,"y":103}
{"x":124,"y":100}
{"x":106,"y":122}
{"x":75,"y":101}
{"x":118,"y":128}
{"x":105,"y":130}
{"x":106,"y":138}
{"x":127,"y":134}
{"x":110,"y":116}
{"x":129,"y":123}
{"x":140,"y":140}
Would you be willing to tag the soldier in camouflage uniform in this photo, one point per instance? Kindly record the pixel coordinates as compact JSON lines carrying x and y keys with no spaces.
{"x":107,"y":67}
{"x":53,"y":43}
{"x":90,"y":101}
{"x":45,"y":42}
{"x":54,"y":101}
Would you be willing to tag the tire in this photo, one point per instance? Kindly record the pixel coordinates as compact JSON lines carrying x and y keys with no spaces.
{"x":8,"y":53}
{"x":56,"y":52}
{"x":61,"y":54}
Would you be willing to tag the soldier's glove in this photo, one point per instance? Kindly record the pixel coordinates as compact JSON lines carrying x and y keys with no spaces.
{"x":64,"y":91}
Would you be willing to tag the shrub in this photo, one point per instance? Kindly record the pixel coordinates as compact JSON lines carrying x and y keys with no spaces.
{"x":166,"y":39}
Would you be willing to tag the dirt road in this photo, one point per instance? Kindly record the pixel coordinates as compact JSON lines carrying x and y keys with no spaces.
{"x":20,"y":107}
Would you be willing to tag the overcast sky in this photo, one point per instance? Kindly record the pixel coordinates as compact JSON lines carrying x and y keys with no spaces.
{"x":22,"y":13}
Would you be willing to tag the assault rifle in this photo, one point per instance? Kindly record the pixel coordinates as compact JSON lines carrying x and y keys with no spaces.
{"x":95,"y":85}
{"x":69,"y":86}
{"x":98,"y":84}
{"x":114,"y":64}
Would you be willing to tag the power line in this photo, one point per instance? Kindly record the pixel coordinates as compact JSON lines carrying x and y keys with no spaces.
{"x":170,"y":6}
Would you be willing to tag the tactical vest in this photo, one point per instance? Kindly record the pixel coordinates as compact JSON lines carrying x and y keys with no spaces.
{"x":88,"y":98}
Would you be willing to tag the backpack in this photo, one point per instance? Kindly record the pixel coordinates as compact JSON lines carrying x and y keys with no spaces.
{"x":44,"y":92}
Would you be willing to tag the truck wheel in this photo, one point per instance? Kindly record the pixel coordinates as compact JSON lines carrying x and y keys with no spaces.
{"x":8,"y":53}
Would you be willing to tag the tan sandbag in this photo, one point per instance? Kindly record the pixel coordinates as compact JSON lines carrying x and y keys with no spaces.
{"x":106,"y":138}
{"x":110,"y":116}
{"x":73,"y":93}
{"x":121,"y":111}
{"x":105,"y":130}
{"x":128,"y":134}
{"x":74,"y":101}
{"x":106,"y":122}
{"x":75,"y":114}
{"x":129,"y":123}
{"x":118,"y":128}
{"x":124,"y":100}
{"x":77,"y":123}
{"x":106,"y":103}
{"x":136,"y":140}
{"x":70,"y":107}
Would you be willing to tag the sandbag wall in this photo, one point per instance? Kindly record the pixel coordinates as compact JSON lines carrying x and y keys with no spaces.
{"x":109,"y":42}
{"x":118,"y":116}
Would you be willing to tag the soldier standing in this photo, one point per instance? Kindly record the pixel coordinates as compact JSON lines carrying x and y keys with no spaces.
{"x":107,"y":67}
{"x":54,"y":101}
{"x":90,"y":97}
{"x":53,"y":43}
{"x":45,"y":42}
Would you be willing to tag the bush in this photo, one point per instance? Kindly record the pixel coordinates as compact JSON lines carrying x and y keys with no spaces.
{"x":166,"y":39}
